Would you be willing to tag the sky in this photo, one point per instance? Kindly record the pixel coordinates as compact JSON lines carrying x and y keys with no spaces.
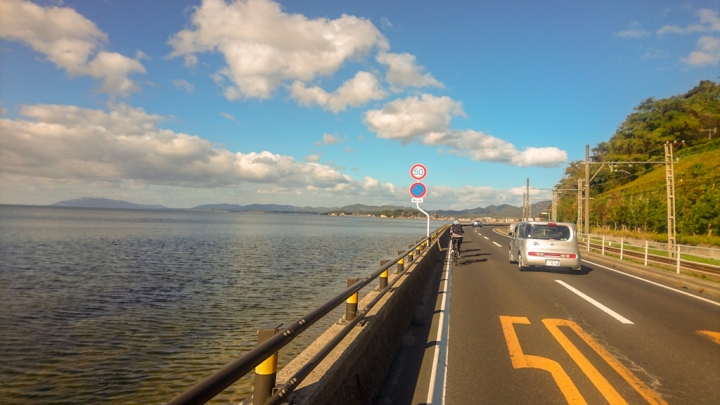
{"x":328,"y":102}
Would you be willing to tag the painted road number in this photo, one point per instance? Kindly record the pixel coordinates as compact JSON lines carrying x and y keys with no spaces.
{"x":566,"y":385}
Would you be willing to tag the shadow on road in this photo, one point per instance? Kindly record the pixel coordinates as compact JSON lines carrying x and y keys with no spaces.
{"x":559,"y":270}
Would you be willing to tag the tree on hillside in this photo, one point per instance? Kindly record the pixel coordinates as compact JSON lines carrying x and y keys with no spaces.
{"x":641,"y":138}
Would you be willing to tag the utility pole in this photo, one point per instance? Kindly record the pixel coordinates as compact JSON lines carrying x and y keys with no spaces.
{"x":579,"y":203}
{"x":527,"y":195}
{"x":587,"y":189}
{"x":670,"y":185}
{"x":709,"y":131}
{"x":554,"y":205}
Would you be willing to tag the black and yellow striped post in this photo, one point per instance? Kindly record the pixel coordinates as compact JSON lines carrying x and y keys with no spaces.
{"x":418,"y":249}
{"x":410,"y":255}
{"x":383,"y":276}
{"x":401,"y":262}
{"x":351,"y":303}
{"x":266,"y":371}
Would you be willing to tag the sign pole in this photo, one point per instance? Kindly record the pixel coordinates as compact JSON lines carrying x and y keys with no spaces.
{"x":427,"y":234}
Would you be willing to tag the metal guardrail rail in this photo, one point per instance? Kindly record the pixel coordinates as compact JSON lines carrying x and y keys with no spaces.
{"x":230,"y":373}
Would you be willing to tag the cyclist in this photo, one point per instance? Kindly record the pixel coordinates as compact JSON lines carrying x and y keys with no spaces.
{"x":456,"y":233}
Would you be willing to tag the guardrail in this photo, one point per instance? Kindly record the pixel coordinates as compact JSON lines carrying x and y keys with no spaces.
{"x":688,"y":258}
{"x":272,"y":338}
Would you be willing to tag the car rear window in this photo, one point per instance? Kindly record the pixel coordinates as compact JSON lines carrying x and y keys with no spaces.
{"x":548,"y":232}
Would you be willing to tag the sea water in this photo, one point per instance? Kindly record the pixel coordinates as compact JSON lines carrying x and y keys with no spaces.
{"x":136,"y":306}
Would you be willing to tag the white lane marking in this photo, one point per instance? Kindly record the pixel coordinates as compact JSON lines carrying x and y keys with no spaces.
{"x":441,"y":344}
{"x":654,"y":283}
{"x":486,"y":237}
{"x":597,"y":304}
{"x":497,"y":244}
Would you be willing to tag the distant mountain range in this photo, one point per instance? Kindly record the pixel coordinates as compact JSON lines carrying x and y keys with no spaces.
{"x":493,"y":211}
{"x":87,"y":202}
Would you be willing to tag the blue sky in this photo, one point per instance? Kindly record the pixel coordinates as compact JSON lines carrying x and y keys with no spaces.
{"x":327,"y":103}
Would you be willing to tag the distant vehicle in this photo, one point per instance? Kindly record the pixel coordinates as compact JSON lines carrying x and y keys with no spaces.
{"x":552,"y":244}
{"x":477,"y":224}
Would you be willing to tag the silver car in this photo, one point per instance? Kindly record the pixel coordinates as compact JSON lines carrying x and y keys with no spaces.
{"x":552,"y":244}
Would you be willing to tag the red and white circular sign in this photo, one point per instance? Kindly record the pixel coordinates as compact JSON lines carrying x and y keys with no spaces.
{"x":418,"y":171}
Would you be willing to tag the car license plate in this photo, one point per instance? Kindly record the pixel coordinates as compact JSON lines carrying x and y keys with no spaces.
{"x":552,"y":262}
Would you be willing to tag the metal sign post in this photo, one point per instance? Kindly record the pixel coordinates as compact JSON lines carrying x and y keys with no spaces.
{"x":418,"y":190}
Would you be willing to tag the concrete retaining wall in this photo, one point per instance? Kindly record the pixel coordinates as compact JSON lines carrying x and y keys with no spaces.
{"x":354,"y":372}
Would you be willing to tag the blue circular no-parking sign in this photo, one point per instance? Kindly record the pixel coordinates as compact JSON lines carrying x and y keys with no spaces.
{"x":418,"y":190}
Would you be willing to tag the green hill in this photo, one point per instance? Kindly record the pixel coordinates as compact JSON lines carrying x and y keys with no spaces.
{"x":633,"y":196}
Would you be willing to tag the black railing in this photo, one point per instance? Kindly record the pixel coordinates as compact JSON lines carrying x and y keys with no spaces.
{"x":226,"y":376}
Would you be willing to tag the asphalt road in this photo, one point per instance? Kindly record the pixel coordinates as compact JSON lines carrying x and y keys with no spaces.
{"x":550,"y":336}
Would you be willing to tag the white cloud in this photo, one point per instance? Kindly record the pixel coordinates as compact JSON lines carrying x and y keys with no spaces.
{"x":71,"y":148}
{"x":427,"y":119}
{"x":329,"y":139}
{"x":228,"y":116}
{"x":68,"y":40}
{"x":408,"y":119}
{"x":263,"y":46}
{"x":355,"y":92}
{"x":67,"y":142}
{"x":403,"y":72}
{"x":708,"y":52}
{"x":709,"y":22}
{"x":183,"y":85}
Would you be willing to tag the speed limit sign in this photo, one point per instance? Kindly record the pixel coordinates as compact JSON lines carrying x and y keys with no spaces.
{"x":418,"y":171}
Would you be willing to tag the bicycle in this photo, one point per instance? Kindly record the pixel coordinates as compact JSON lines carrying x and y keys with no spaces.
{"x":454,"y":251}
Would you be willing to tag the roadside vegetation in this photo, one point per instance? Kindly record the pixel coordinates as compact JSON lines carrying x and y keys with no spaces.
{"x":630,"y":199}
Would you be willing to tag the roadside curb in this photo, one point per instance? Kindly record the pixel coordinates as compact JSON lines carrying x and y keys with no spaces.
{"x":706,"y":289}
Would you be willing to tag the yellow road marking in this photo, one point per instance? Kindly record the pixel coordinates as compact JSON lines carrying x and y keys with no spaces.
{"x":521,"y":360}
{"x":610,"y":394}
{"x":714,"y":336}
{"x":600,"y":382}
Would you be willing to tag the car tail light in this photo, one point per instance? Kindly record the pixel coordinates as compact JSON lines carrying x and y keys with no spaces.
{"x":561,"y":255}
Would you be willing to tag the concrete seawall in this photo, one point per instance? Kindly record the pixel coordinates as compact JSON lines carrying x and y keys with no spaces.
{"x":354,"y":371}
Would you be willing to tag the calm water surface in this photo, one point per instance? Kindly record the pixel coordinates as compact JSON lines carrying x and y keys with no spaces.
{"x":122,"y":306}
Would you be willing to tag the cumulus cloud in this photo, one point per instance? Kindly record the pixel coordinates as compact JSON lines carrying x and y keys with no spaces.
{"x":264,"y":46}
{"x":125,"y":143}
{"x":329,"y":139}
{"x":355,"y":92}
{"x":412,"y":118}
{"x":426,"y":120}
{"x":708,"y":46}
{"x":68,"y":40}
{"x":708,"y":52}
{"x":403,"y":72}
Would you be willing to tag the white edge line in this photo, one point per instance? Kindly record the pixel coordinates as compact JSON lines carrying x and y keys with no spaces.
{"x":438,"y":339}
{"x":597,"y":304}
{"x":654,"y":283}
